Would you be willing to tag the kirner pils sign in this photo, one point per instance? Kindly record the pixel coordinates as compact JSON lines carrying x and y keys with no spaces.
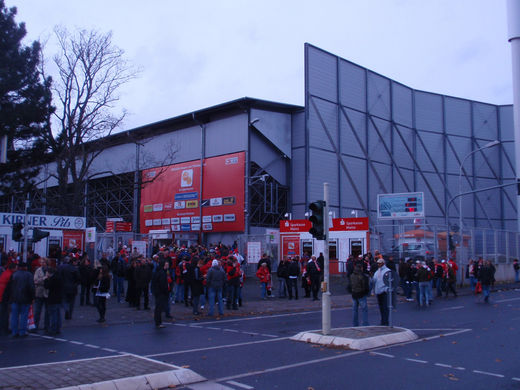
{"x":44,"y":221}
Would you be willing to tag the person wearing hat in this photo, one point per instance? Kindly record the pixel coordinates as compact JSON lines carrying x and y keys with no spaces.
{"x":215,"y":279}
{"x":381,"y":290}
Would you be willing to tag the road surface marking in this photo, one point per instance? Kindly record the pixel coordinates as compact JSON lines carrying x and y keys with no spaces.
{"x":416,"y":360}
{"x":507,"y":300}
{"x":239,"y":385}
{"x":290,"y":366}
{"x":76,"y":342}
{"x":452,"y":308}
{"x":516,"y":379}
{"x":268,"y":335}
{"x":273,"y":316}
{"x":109,"y":349}
{"x":382,"y":354}
{"x":215,"y":347}
{"x":488,"y":373}
{"x":231,"y":330}
{"x":444,"y":365}
{"x":91,"y":346}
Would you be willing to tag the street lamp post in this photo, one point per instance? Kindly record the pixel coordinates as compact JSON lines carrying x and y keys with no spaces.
{"x":486,"y":146}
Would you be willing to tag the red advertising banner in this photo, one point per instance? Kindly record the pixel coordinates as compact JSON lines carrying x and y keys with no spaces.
{"x":290,"y":245}
{"x":172,"y":200}
{"x":123,"y":226}
{"x":109,"y":226}
{"x":349,"y":224}
{"x":295,"y":226}
{"x":73,"y":239}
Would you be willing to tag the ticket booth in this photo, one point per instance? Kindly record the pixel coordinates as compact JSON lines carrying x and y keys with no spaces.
{"x":347,"y":236}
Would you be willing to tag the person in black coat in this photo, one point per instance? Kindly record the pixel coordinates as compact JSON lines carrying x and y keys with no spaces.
{"x":197,"y":286}
{"x":22,"y":295}
{"x":314,"y":272}
{"x":487,"y":278}
{"x":160,"y":290}
{"x":86,"y":273}
{"x":143,"y":276}
{"x":54,"y":283}
{"x":102,"y":292}
{"x":293,"y":270}
{"x":70,"y":277}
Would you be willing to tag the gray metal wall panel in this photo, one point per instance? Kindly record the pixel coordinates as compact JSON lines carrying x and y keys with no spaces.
{"x":489,"y":200}
{"x":507,"y":131}
{"x":323,"y":168}
{"x":353,"y":138}
{"x":275,"y":126}
{"x":433,"y":143}
{"x":404,"y":184}
{"x":403,"y":146}
{"x":298,"y":130}
{"x":322,"y":124}
{"x":226,"y":135}
{"x":352,"y":86}
{"x":378,"y":95}
{"x":298,"y":211}
{"x":485,"y":121}
{"x":428,"y":111}
{"x":458,"y":116}
{"x":462,"y":146}
{"x":379,"y":135}
{"x":268,"y":158}
{"x":402,"y":104}
{"x":430,"y":204}
{"x":508,"y":160}
{"x":485,"y":168}
{"x":322,"y":70}
{"x":298,"y":176}
{"x":385,"y":173}
{"x":357,"y":168}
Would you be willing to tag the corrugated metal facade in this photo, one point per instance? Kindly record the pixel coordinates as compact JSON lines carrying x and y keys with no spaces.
{"x":367,"y":135}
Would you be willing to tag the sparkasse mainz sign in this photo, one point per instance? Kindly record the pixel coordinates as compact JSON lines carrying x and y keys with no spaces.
{"x":44,"y":221}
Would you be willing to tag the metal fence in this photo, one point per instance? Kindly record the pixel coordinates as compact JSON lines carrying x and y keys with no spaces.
{"x":436,"y":241}
{"x":109,"y":243}
{"x":268,"y":245}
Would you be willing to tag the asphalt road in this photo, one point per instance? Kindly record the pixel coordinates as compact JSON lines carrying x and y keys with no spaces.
{"x":464,"y":343}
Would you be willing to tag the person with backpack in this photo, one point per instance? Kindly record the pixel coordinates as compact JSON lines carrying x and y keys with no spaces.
{"x":359,"y":286}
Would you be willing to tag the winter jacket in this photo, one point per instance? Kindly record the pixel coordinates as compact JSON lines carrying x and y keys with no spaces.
{"x":70,"y":277}
{"x":160,"y":283}
{"x":39,"y":278}
{"x":5,"y":278}
{"x":216,"y":277}
{"x":54,"y":285}
{"x":22,"y":287}
{"x":487,"y":275}
{"x":263,"y":274}
{"x":359,"y":284}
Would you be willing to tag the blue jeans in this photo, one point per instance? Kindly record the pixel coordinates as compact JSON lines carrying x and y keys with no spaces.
{"x":215,"y":292}
{"x":360,"y":303}
{"x":120,"y":287}
{"x":179,"y":292}
{"x":54,"y":318}
{"x":472,"y":282}
{"x":263,"y":290}
{"x":424,"y":293}
{"x":19,"y":314}
{"x":282,"y":287}
{"x":486,"y":291}
{"x":517,"y":276}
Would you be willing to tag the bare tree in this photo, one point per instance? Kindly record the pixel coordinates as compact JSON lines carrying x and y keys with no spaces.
{"x":91,"y":71}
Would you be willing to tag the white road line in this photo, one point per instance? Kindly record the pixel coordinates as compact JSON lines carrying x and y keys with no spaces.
{"x":507,"y":300}
{"x":231,"y":330}
{"x":416,"y":360}
{"x":273,"y":316}
{"x":452,"y":308}
{"x":243,"y":386}
{"x":268,"y":335}
{"x":488,"y":373}
{"x":382,"y":354}
{"x":289,"y":366}
{"x":516,"y":379}
{"x":215,"y":347}
{"x":212,"y":328}
{"x":92,"y":346}
{"x":109,"y":349}
{"x":58,"y":339}
{"x":444,"y":365}
{"x":76,"y":342}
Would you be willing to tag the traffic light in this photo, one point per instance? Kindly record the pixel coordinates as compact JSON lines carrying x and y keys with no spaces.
{"x":318,"y":228}
{"x":17,"y":231}
{"x":39,"y":235}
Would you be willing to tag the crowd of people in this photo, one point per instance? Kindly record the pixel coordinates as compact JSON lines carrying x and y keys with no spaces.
{"x":213,"y":276}
{"x":46,"y":289}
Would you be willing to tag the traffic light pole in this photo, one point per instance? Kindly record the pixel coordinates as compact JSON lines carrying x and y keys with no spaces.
{"x":25,"y":230}
{"x":325,"y":288}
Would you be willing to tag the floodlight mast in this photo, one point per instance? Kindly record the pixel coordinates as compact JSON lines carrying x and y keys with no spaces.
{"x":513,"y":16}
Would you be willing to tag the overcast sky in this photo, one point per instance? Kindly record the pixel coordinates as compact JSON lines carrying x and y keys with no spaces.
{"x":195,"y":54}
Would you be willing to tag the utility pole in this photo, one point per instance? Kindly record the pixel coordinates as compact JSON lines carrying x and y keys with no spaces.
{"x":325,"y":288}
{"x":25,"y":230}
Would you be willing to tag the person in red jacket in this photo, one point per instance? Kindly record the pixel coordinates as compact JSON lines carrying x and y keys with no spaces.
{"x":265,"y":278}
{"x":4,"y":298}
{"x":233,"y":281}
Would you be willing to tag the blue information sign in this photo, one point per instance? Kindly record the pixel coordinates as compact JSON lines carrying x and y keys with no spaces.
{"x":400,"y":206}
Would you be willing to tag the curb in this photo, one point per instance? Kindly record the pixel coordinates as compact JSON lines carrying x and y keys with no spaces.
{"x":172,"y":378}
{"x":360,"y":344}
